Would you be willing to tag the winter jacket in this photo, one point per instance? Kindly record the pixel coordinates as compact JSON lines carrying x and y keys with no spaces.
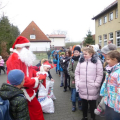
{"x":111,"y":88}
{"x":71,"y":71}
{"x":18,"y":103}
{"x":88,"y":77}
{"x":64,"y":63}
{"x":1,"y":62}
{"x":58,"y":65}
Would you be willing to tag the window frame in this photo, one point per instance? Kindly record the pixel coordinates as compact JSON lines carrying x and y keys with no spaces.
{"x":110,"y":16}
{"x":105,"y":39}
{"x":111,"y":39}
{"x":117,"y":38}
{"x":104,"y":19}
{"x":100,"y":40}
{"x":99,"y":23}
{"x":31,"y":37}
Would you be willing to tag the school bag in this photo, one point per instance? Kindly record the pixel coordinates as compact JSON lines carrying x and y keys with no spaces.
{"x":4,"y":110}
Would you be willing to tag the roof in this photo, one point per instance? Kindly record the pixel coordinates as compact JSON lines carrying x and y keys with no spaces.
{"x":106,"y":9}
{"x":33,"y":29}
{"x":57,"y":36}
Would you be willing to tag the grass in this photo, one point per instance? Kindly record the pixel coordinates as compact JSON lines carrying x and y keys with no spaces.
{"x":41,"y":56}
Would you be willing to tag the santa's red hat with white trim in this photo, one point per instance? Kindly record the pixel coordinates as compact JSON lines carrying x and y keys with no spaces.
{"x":47,"y":64}
{"x":21,"y":42}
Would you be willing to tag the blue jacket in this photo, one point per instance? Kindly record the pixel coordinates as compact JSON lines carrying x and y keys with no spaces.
{"x":59,"y":66}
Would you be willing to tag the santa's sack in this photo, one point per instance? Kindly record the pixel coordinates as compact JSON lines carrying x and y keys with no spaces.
{"x":46,"y":103}
{"x":50,"y":90}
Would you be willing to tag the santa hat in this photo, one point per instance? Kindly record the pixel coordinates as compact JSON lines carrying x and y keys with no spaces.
{"x":21,"y":42}
{"x":11,"y":49}
{"x":47,"y":64}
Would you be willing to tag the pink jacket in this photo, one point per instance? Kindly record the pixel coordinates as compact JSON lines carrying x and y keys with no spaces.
{"x":1,"y":62}
{"x":88,"y":77}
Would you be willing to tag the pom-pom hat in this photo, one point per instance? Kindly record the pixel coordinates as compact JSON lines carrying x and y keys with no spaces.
{"x":21,"y":42}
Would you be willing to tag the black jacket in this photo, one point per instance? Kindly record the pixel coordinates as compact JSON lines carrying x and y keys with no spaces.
{"x":18,"y":103}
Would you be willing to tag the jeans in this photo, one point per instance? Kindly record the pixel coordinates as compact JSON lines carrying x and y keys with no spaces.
{"x":62,"y":76}
{"x":110,"y":114}
{"x":74,"y":94}
{"x":49,"y":57}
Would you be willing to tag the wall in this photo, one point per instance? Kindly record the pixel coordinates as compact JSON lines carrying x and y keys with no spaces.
{"x":110,"y":26}
{"x":57,"y":41}
{"x":40,"y":46}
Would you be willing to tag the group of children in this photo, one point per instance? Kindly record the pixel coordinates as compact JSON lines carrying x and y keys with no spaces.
{"x":86,"y":75}
{"x":82,"y":72}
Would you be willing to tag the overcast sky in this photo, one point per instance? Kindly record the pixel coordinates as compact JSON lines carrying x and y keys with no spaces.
{"x":73,"y":16}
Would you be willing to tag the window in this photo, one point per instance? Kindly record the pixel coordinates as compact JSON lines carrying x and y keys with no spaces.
{"x":105,"y":39}
{"x":116,"y":13}
{"x":111,"y":16}
{"x":111,"y":37}
{"x":100,"y":40}
{"x":32,"y":37}
{"x":105,"y":19}
{"x":118,"y":38}
{"x":100,"y":22}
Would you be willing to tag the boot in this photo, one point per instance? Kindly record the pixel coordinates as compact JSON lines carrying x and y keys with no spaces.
{"x":79,"y":105}
{"x":61,"y":85}
{"x":73,"y":107}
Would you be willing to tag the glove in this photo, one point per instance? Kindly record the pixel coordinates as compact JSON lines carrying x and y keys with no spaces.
{"x":42,"y":76}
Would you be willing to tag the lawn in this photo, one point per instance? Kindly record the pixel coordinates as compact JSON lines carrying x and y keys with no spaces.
{"x":41,"y":56}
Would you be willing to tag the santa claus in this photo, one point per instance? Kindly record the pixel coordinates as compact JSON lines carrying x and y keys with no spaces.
{"x":22,"y":58}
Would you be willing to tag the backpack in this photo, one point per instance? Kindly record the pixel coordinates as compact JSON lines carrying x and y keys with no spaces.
{"x":4,"y":110}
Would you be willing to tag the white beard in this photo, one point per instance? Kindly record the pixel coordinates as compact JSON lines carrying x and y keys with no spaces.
{"x":27,"y":57}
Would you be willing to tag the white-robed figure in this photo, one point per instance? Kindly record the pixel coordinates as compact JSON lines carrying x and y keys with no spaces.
{"x":22,"y":58}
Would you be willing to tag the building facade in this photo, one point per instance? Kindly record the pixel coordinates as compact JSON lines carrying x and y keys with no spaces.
{"x":39,"y":41}
{"x":57,"y":40}
{"x":107,"y":25}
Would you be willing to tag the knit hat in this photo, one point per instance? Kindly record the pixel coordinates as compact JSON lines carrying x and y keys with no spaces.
{"x":106,"y":49}
{"x":21,"y":42}
{"x":77,"y":48}
{"x":15,"y":77}
{"x":62,"y":53}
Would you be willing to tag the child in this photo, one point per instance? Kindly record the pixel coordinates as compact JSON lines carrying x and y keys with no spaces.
{"x":62,"y":55}
{"x":2,"y":65}
{"x":66,"y":62}
{"x":44,"y":69}
{"x":71,"y":70}
{"x":88,"y":77}
{"x":111,"y":87}
{"x":13,"y":92}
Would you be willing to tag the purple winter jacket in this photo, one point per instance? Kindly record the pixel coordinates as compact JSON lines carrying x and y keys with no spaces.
{"x":88,"y":77}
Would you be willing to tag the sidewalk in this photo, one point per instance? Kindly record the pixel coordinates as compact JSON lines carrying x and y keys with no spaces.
{"x":63,"y":104}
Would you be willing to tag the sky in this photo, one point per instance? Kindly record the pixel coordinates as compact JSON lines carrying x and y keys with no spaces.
{"x":73,"y":16}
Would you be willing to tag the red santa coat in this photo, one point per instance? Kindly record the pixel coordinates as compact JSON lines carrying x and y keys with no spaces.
{"x":31,"y":84}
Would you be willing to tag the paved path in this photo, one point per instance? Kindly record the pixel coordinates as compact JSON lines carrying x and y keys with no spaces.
{"x":62,"y":104}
